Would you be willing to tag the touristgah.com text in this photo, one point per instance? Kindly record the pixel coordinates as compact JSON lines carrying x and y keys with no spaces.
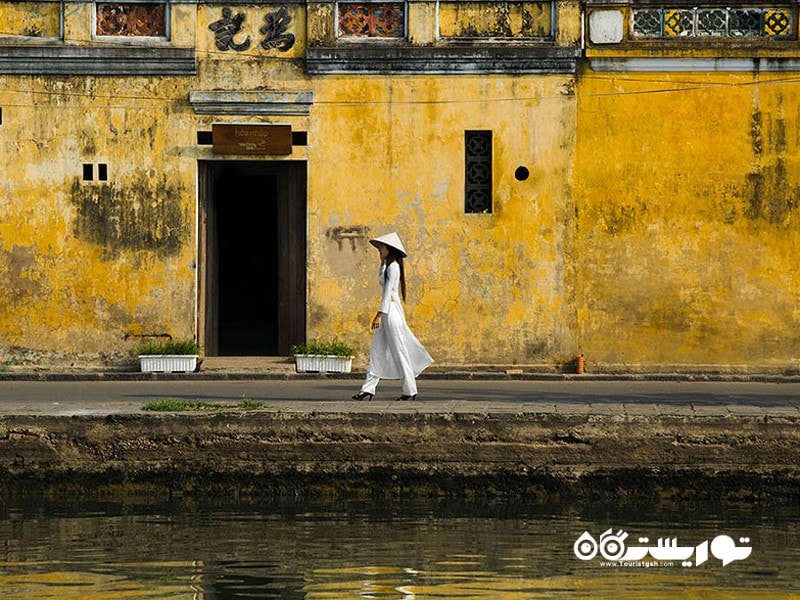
{"x":638,"y":563}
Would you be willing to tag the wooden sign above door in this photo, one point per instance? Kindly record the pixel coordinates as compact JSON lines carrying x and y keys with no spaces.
{"x":251,"y":139}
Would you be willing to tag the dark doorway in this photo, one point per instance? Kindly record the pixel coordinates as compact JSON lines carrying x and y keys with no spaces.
{"x":252,"y":286}
{"x":247,"y":219}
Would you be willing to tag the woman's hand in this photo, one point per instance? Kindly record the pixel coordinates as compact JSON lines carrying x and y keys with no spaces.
{"x":376,"y":322}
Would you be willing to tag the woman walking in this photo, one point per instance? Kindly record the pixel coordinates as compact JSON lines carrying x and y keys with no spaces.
{"x":395,"y":352}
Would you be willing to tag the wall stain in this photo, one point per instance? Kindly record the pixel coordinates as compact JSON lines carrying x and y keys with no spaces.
{"x":145,"y":215}
{"x":755,"y":133}
{"x":537,"y":349}
{"x":778,"y":136}
{"x":17,"y":281}
{"x":769,"y":196}
{"x":348,"y":235}
{"x":622,"y":219}
{"x":88,"y":146}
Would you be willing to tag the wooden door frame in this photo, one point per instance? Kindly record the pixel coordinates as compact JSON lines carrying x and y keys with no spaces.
{"x":207,"y":307}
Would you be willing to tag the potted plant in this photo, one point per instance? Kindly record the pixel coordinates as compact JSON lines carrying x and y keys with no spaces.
{"x":168,"y":356}
{"x":323,"y":357}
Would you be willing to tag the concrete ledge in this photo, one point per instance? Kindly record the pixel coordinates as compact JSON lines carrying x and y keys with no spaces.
{"x":671,"y":456}
{"x":22,"y":365}
{"x":24,"y":374}
{"x":247,"y":102}
{"x":372,"y":58}
{"x":657,"y":64}
{"x":63,"y":59}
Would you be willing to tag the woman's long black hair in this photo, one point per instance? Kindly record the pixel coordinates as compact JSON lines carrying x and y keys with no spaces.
{"x":396,"y":256}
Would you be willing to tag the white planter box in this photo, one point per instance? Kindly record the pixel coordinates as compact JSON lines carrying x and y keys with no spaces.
{"x":318,"y":363}
{"x":168,"y":363}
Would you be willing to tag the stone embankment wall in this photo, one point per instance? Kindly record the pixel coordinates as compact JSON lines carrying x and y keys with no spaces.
{"x":535,"y":456}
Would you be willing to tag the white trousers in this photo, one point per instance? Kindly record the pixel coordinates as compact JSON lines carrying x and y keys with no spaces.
{"x":409,"y":383}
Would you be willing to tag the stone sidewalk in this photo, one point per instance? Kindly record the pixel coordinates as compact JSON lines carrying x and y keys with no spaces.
{"x":520,"y":433}
{"x":476,"y":393}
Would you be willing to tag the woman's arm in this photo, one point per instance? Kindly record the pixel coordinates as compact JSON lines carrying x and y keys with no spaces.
{"x":392,"y":277}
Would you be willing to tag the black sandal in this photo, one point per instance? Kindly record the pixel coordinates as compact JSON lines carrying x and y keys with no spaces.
{"x":362,"y":396}
{"x":406,"y":397}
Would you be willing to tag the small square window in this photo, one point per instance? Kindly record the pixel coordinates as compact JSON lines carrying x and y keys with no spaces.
{"x":102,"y":172}
{"x":88,"y":172}
{"x":299,"y":138}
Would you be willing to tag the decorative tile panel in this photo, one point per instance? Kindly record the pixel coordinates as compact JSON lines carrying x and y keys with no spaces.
{"x":132,"y":19}
{"x":647,"y":23}
{"x":719,"y":22}
{"x":778,"y":22}
{"x":744,"y":22}
{"x":372,"y":20}
{"x":678,"y":22}
{"x":712,"y":21}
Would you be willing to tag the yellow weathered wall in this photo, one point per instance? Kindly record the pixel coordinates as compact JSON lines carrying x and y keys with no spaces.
{"x":87,"y":268}
{"x":657,"y":226}
{"x":253,"y":68}
{"x":482,"y":287}
{"x":85,"y":263}
{"x":387,"y":154}
{"x":495,"y":19}
{"x":686,"y":238}
{"x":30,"y":19}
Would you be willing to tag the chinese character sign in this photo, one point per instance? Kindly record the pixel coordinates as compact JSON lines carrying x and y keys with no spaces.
{"x":275,"y":31}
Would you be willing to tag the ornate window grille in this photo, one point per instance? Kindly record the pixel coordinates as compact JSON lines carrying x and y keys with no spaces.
{"x":382,"y":20}
{"x":131,"y":19}
{"x":723,"y":22}
{"x":478,"y":175}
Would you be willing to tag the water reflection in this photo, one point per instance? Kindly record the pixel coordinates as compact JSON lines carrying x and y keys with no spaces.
{"x":379,"y":549}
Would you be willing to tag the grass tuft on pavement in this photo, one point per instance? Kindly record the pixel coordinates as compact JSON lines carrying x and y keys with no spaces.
{"x":176,"y":405}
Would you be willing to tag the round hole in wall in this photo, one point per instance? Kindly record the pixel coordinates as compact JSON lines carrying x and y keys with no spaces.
{"x":522,"y":173}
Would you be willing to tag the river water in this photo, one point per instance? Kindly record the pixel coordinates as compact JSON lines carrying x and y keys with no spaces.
{"x":404,"y":549}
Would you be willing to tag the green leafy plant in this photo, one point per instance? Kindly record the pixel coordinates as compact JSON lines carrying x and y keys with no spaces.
{"x":329,"y":348}
{"x":168,"y":346}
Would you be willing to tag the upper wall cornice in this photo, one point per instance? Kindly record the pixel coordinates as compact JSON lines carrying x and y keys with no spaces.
{"x":96,"y":60}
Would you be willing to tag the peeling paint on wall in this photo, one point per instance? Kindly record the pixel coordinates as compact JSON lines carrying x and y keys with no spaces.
{"x":20,"y":278}
{"x":495,"y":19}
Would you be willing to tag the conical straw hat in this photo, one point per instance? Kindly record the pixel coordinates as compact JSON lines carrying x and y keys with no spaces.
{"x":390,"y":239}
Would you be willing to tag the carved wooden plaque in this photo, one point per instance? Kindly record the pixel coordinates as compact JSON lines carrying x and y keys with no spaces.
{"x":251,"y":139}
